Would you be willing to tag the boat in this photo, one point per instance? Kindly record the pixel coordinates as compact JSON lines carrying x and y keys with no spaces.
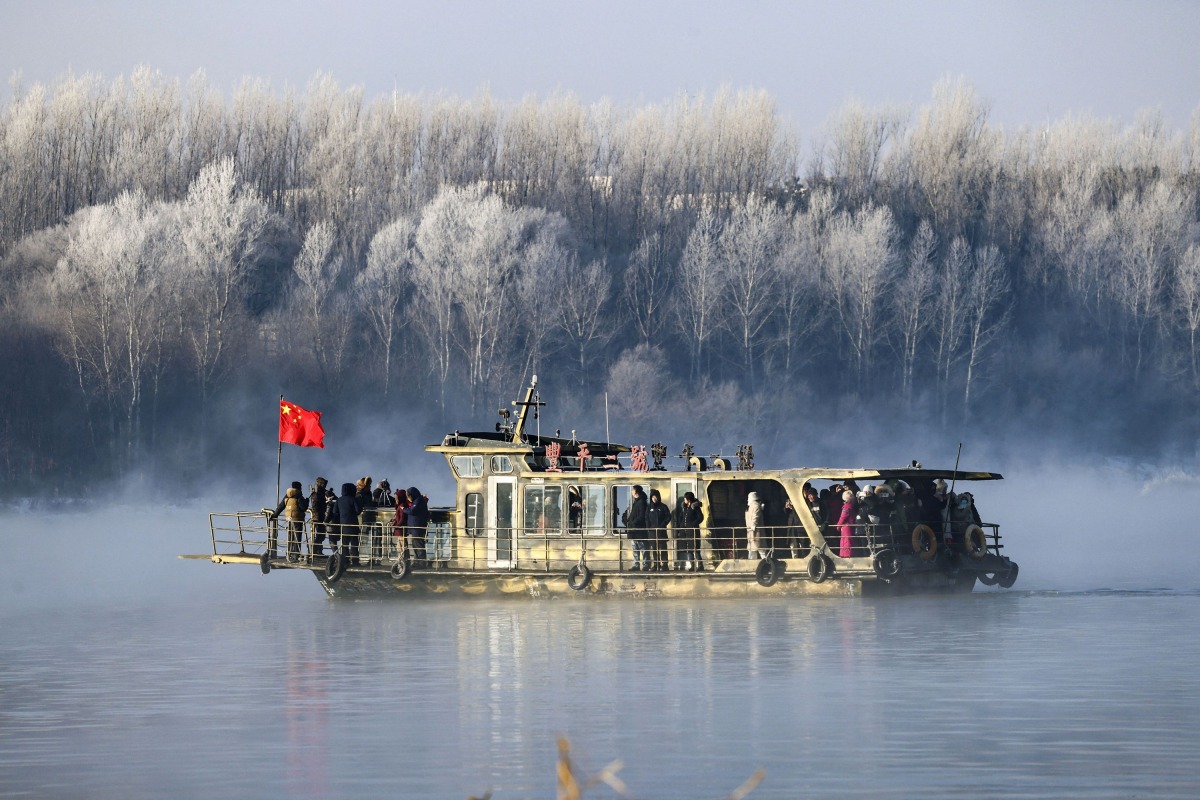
{"x":546,"y":516}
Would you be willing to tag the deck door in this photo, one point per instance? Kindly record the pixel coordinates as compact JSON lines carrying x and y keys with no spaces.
{"x":502,"y":503}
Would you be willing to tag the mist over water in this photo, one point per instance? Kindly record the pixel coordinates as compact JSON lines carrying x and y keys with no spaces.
{"x":126,"y":672}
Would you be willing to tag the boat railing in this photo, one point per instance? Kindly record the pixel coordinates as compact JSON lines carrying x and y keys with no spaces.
{"x":241,"y":533}
{"x":443,"y":546}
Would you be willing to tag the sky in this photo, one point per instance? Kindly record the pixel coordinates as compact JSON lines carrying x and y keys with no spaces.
{"x":1035,"y":62}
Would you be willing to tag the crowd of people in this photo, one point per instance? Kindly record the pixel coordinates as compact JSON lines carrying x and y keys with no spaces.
{"x":646,"y":522}
{"x":854,"y":521}
{"x":888,"y":512}
{"x":337,"y":519}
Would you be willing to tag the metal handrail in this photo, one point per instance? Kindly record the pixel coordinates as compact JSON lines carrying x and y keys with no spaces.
{"x":248,"y":533}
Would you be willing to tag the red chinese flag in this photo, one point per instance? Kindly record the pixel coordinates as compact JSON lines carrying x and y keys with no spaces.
{"x":300,"y":427}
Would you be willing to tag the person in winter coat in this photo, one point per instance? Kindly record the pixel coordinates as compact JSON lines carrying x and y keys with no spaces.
{"x":845,"y":525}
{"x":687,"y":536}
{"x":794,"y":528}
{"x":962,"y":515}
{"x":292,"y":507}
{"x":363,"y":493}
{"x":658,"y":516}
{"x":347,"y":510}
{"x":382,"y":496}
{"x":754,"y":523}
{"x":635,"y":528}
{"x":319,"y":510}
{"x":400,"y":520}
{"x":416,"y":523}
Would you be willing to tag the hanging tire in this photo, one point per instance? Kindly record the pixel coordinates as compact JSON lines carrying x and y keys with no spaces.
{"x":400,"y":569}
{"x":924,"y":543}
{"x":334,"y":568}
{"x":768,"y":571}
{"x":818,"y":568}
{"x":1009,"y":578}
{"x":886,"y":564}
{"x":264,"y":563}
{"x":976,"y":542}
{"x":989,"y":578}
{"x":578,"y":577}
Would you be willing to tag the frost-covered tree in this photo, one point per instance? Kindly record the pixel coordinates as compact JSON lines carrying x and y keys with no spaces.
{"x":860,"y":264}
{"x":382,"y":287}
{"x":318,"y":268}
{"x":223,"y":227}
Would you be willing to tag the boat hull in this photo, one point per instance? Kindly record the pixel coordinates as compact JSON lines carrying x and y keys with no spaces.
{"x":363,"y":584}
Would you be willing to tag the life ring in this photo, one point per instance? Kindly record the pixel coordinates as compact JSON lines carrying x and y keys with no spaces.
{"x":578,"y":577}
{"x":976,"y":542}
{"x":886,"y":564}
{"x":924,"y":543}
{"x":768,"y":571}
{"x":1009,"y":578}
{"x":400,"y":569}
{"x":264,"y":563}
{"x":334,"y":567}
{"x":818,"y":568}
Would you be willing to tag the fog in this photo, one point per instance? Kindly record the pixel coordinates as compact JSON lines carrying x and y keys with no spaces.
{"x":1072,"y":527}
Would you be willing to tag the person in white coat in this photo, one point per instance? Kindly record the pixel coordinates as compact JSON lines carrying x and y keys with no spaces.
{"x":754,"y":521}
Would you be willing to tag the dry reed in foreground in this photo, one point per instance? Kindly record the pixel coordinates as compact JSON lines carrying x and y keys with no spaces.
{"x":571,"y":785}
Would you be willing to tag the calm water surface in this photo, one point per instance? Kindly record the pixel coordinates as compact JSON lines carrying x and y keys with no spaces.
{"x":147,"y":677}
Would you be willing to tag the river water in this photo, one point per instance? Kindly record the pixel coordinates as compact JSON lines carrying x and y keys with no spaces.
{"x":127,"y":673}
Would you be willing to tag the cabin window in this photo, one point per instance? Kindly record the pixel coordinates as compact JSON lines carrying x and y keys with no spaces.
{"x":585,"y":514}
{"x":467,"y":466}
{"x":474,"y":514}
{"x":501,"y":465}
{"x":622,"y":497}
{"x":544,"y":510}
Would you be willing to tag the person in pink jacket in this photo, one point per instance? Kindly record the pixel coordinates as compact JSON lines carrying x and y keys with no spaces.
{"x":845,"y":525}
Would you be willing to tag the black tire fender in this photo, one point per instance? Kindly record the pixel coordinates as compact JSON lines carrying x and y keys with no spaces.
{"x":578,"y":577}
{"x":768,"y":571}
{"x":400,"y":569}
{"x":818,"y":568}
{"x":264,"y":563}
{"x":885,"y":564}
{"x":989,"y":578}
{"x":924,"y":542}
{"x":1009,"y":578}
{"x":975,"y":542}
{"x":334,"y":568}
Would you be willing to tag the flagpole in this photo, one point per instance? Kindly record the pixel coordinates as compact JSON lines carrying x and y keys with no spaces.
{"x":278,"y":462}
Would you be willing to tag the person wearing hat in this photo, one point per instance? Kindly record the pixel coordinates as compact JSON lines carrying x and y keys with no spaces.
{"x":635,"y":528}
{"x":658,"y":516}
{"x":845,"y":525}
{"x":688,"y":535}
{"x":318,"y":510}
{"x":293,"y":506}
{"x":382,"y":496}
{"x":754,"y":521}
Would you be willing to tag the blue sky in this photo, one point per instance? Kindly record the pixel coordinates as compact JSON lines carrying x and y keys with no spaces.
{"x":1034,"y":61}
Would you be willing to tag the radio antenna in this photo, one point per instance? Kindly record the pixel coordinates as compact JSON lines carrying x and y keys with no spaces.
{"x":607,"y":435}
{"x":954,"y":477}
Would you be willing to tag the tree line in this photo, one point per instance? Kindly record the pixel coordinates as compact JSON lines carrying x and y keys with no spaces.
{"x":166,"y":251}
